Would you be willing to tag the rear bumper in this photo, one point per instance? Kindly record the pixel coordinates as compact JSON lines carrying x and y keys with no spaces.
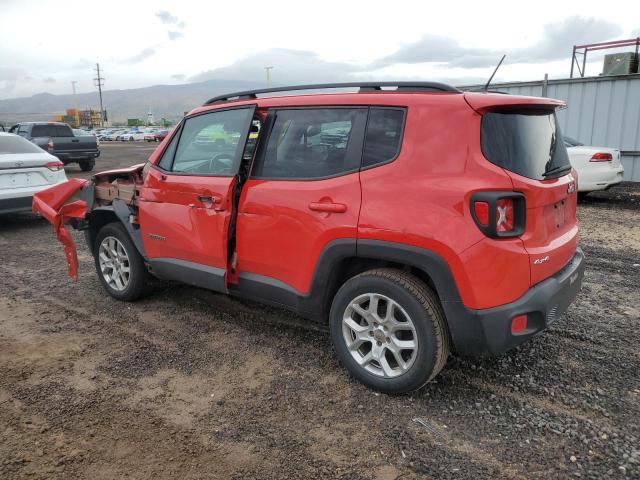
{"x":13,"y":200}
{"x":600,"y":180}
{"x":15,"y":205}
{"x":488,"y":331}
{"x":76,"y":156}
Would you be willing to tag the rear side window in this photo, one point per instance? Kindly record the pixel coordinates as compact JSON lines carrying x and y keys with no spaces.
{"x":51,"y":131}
{"x":384,"y":136}
{"x":42,"y":131}
{"x":526,"y":142}
{"x":62,"y":131}
{"x":13,"y":144}
{"x":313,"y":143}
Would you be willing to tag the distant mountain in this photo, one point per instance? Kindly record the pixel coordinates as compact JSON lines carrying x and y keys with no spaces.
{"x":168,"y":101}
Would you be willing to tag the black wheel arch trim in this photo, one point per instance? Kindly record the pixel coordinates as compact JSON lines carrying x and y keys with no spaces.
{"x":313,"y":305}
{"x":462,"y":331}
{"x":120,"y":210}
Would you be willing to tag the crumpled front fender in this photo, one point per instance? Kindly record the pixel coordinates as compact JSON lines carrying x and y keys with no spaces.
{"x":56,"y":204}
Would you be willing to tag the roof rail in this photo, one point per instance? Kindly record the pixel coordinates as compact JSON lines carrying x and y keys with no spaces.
{"x":363,"y":87}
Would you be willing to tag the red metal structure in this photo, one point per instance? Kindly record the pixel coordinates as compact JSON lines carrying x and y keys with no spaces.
{"x":590,"y":47}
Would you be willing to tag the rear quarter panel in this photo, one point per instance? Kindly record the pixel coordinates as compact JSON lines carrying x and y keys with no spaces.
{"x":422,"y":199}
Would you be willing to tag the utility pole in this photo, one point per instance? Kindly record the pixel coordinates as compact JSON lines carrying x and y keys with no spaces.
{"x":268,"y":71}
{"x":73,"y":89}
{"x":76,"y":115}
{"x":99,"y":82}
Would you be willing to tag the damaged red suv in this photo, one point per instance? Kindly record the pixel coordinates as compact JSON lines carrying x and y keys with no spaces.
{"x":416,"y":219}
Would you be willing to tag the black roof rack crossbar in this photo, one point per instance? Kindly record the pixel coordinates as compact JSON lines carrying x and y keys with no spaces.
{"x":363,"y":88}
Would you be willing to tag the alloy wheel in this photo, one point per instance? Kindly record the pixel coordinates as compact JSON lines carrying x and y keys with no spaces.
{"x":114,"y":263}
{"x":380,"y":335}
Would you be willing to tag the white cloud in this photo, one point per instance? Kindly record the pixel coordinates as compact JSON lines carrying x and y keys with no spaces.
{"x":341,"y":40}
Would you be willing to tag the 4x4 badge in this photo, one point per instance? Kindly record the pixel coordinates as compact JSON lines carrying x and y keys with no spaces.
{"x":540,"y":261}
{"x":571,"y":187}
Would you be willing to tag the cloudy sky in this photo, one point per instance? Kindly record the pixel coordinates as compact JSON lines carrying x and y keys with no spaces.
{"x":45,"y":45}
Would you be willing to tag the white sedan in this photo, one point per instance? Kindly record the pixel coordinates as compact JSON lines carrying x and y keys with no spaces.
{"x":598,"y":168}
{"x":131,"y":136}
{"x":25,"y":169}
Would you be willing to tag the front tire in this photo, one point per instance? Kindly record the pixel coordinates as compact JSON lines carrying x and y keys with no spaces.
{"x":389,"y":330}
{"x":119,"y":265}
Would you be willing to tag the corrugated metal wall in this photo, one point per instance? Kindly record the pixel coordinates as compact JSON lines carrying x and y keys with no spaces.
{"x":602,"y":111}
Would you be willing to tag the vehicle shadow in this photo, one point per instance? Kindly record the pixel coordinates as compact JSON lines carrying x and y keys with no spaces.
{"x":626,"y":195}
{"x":27,"y":220}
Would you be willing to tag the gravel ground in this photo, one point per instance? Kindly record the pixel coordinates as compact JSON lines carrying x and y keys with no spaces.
{"x":192,"y":384}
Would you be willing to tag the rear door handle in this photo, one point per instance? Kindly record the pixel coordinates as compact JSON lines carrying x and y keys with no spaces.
{"x":328,"y":207}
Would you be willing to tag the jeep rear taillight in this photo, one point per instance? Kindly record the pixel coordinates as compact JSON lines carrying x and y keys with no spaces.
{"x":504,"y":213}
{"x":601,"y":157}
{"x":499,"y":214}
{"x":481,"y":210}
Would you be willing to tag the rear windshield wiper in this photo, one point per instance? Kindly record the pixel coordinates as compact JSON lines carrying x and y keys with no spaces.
{"x":557,"y":170}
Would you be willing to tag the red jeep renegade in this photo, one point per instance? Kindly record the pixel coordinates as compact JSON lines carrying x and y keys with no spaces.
{"x":416,"y":219}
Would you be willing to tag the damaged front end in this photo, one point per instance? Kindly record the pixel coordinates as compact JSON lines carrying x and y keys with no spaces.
{"x":113,"y":193}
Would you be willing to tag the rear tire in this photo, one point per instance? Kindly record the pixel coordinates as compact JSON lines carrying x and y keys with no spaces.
{"x":87,"y":165}
{"x":394,"y":353}
{"x":582,"y":196}
{"x":119,"y":265}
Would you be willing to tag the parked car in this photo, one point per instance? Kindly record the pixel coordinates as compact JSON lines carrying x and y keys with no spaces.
{"x":415,"y":222}
{"x":598,"y":168}
{"x":131,"y":136}
{"x":156,"y":136}
{"x":120,"y":134}
{"x":113,"y":135}
{"x":101,"y":135}
{"x":58,"y":139}
{"x":25,"y":169}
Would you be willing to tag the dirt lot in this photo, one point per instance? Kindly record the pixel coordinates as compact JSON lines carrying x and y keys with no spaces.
{"x":191,"y":384}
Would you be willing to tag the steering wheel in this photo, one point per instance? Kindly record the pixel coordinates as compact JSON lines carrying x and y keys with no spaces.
{"x":220,"y":162}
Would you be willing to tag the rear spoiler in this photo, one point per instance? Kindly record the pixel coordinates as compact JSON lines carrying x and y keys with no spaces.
{"x":57,"y":205}
{"x":483,"y":102}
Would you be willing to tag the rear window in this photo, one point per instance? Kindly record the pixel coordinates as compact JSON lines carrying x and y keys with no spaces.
{"x":526,"y":142}
{"x":14,"y":144}
{"x":51,"y":131}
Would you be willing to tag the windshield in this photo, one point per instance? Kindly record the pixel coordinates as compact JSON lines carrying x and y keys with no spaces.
{"x":526,"y":142}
